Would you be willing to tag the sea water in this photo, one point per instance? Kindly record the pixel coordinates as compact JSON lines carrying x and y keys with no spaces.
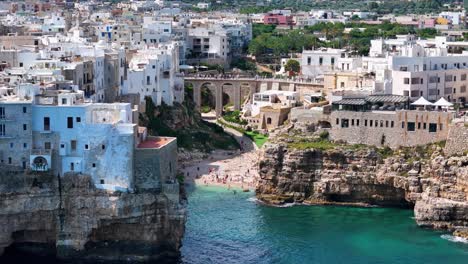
{"x":231,"y":227}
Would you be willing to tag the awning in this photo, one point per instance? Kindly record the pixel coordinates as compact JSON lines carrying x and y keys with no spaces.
{"x":443,"y":103}
{"x":186,"y":67}
{"x":421,"y":101}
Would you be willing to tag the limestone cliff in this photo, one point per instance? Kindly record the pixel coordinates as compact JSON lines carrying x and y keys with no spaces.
{"x":423,"y":179}
{"x":71,"y":219}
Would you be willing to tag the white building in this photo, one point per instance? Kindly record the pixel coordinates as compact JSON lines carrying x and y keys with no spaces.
{"x":270,"y":97}
{"x":154,"y":72}
{"x":316,"y":62}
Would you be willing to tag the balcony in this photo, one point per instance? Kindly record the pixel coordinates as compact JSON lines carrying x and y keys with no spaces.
{"x":5,"y":119}
{"x":41,"y":152}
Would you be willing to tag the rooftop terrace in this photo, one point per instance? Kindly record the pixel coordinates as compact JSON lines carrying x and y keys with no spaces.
{"x":155,"y":142}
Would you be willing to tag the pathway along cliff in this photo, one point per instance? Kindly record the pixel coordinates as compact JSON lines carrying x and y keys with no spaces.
{"x":297,"y":168}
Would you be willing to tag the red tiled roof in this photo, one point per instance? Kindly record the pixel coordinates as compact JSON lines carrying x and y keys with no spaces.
{"x":156,"y":142}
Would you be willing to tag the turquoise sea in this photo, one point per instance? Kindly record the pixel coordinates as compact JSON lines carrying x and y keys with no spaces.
{"x":227,"y":227}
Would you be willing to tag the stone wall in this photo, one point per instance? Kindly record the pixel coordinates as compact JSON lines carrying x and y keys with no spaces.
{"x":304,"y":115}
{"x":388,"y":128}
{"x":155,"y":166}
{"x":457,"y":141}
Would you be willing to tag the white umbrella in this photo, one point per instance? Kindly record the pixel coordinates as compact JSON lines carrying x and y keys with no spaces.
{"x":421,"y":101}
{"x":186,"y":67}
{"x":443,"y":103}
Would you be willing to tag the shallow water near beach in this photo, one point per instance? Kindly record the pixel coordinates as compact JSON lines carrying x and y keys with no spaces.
{"x":227,"y":227}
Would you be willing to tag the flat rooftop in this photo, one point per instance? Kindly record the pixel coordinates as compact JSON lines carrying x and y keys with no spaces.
{"x":155,"y":142}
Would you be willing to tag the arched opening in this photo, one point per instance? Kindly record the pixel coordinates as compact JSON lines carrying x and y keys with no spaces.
{"x":208,"y":99}
{"x":269,"y":121}
{"x":40,"y":164}
{"x":324,"y":124}
{"x":228,"y":96}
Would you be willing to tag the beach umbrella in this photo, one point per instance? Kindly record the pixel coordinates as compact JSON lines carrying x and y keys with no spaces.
{"x":422,"y":101}
{"x":443,"y":103}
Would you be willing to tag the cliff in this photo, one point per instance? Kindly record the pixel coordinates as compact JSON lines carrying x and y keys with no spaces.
{"x":181,"y":121}
{"x":71,"y":219}
{"x":329,"y":173}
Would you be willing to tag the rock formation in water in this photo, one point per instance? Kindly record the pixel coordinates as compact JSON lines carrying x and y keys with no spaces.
{"x":420,"y":178}
{"x":71,"y":219}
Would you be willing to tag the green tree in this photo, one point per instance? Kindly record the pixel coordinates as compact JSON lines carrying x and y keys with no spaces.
{"x":292,"y":65}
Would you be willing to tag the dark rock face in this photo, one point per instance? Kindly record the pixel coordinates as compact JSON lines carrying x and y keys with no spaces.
{"x":81,"y":222}
{"x":438,"y":192}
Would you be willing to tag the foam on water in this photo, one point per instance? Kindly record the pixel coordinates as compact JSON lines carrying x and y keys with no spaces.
{"x":454,"y":239}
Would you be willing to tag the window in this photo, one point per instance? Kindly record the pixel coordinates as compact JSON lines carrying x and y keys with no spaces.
{"x":425,"y":126}
{"x":440,"y":126}
{"x":25,"y":145}
{"x":94,"y":165}
{"x":73,"y":145}
{"x":69,"y":122}
{"x":72,"y":166}
{"x":463,"y":77}
{"x":381,"y":123}
{"x":371,"y":122}
{"x":21,"y":64}
{"x":365,"y":122}
{"x":432,"y":127}
{"x":25,"y":127}
{"x":24,"y":109}
{"x":47,"y":145}
{"x":337,"y":121}
{"x":463,"y":89}
{"x":344,"y":122}
{"x":64,"y":101}
{"x":415,"y":93}
{"x":12,"y":145}
{"x":448,"y":78}
{"x":2,"y":112}
{"x":320,"y":61}
{"x":78,"y":119}
{"x":411,"y":126}
{"x":415,"y":80}
{"x":392,"y":124}
{"x":309,"y":60}
{"x":402,"y":124}
{"x":103,"y":147}
{"x":24,"y":165}
{"x":342,"y":85}
{"x":86,"y":146}
{"x":357,"y":122}
{"x":148,"y":80}
{"x":9,"y":160}
{"x":102,"y":181}
{"x":46,"y":123}
{"x":2,"y":130}
{"x":352,"y":122}
{"x":386,"y":123}
{"x":419,"y":125}
{"x":406,"y":81}
{"x":333,"y":60}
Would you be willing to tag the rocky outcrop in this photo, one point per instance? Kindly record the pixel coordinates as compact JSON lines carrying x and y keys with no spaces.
{"x":71,"y":219}
{"x":435,"y":187}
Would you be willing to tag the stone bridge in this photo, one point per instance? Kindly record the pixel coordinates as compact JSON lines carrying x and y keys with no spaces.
{"x":238,"y":89}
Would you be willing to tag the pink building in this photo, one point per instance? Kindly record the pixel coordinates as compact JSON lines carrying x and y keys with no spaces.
{"x":428,"y":23}
{"x":278,"y":19}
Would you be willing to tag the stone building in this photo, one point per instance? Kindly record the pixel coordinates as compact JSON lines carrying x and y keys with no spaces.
{"x":386,"y":121}
{"x":15,"y":129}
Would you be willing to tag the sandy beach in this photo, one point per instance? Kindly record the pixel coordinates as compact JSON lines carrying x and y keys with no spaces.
{"x":224,"y":168}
